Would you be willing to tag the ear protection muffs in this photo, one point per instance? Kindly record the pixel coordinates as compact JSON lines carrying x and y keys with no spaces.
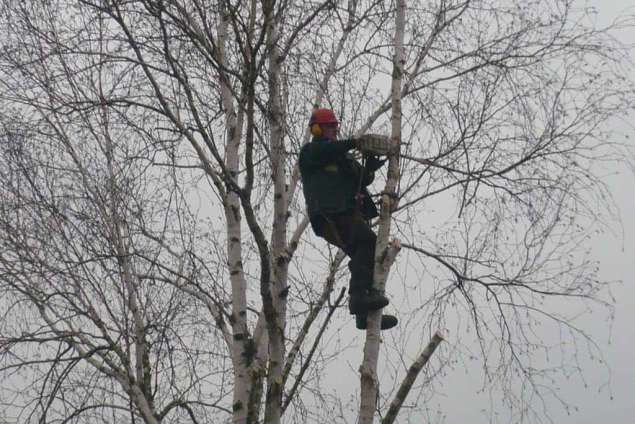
{"x":316,"y":131}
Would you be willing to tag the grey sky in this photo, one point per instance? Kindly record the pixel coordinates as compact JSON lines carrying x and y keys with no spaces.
{"x":608,"y":398}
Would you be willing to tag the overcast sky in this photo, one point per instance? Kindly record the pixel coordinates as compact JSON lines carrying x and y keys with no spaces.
{"x":599,"y":403}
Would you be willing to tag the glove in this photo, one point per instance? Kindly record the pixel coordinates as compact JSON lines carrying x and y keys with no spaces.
{"x":373,"y":163}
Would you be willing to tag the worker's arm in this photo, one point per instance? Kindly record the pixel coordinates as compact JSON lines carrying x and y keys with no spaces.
{"x":320,"y":153}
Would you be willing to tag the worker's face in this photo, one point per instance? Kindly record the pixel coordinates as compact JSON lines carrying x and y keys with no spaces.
{"x":330,"y":131}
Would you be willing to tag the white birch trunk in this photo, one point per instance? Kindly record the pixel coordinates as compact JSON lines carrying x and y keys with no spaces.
{"x":233,"y":124}
{"x":385,"y":253}
{"x":279,"y":253}
{"x":239,"y":290}
{"x":258,"y":369}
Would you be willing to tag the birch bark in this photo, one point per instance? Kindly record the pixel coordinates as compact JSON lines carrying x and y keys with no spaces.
{"x":385,"y":252}
{"x":231,"y":204}
{"x":279,"y":256}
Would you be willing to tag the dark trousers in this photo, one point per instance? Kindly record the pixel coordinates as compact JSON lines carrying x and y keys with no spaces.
{"x":354,"y":236}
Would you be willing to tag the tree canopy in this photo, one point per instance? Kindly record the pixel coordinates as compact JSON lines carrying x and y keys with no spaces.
{"x":156,"y":262}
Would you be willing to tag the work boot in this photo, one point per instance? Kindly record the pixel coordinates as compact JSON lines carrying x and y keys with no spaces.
{"x":364,"y":302}
{"x":387,"y":321}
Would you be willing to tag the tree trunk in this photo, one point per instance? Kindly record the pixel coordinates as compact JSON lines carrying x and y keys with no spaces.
{"x":279,"y":255}
{"x":385,"y":253}
{"x":239,"y":352}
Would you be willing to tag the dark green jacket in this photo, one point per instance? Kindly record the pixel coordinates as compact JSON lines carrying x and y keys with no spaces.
{"x":330,"y":178}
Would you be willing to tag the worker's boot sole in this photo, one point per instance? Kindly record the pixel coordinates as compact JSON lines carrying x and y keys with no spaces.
{"x":366,"y":302}
{"x":387,"y":321}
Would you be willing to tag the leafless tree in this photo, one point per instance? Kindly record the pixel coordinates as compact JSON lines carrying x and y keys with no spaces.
{"x":154,"y":251}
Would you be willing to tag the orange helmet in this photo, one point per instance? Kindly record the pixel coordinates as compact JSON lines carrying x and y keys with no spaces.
{"x":321,"y":116}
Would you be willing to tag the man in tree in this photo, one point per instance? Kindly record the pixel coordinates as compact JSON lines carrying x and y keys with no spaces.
{"x":339,"y":206}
